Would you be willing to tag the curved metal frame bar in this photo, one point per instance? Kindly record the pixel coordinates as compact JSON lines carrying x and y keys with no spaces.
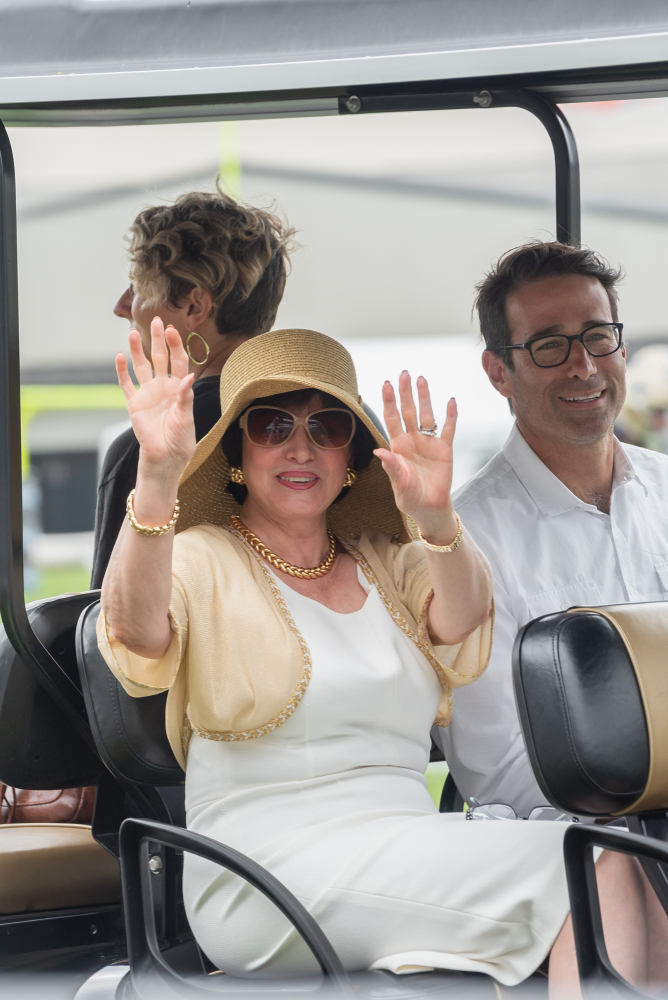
{"x":566,"y":161}
{"x":53,"y":679}
{"x":145,"y":959}
{"x":597,"y":976}
{"x":62,"y":690}
{"x":653,"y":824}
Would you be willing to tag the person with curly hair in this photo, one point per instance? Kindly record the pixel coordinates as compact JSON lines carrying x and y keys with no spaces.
{"x":215,"y":270}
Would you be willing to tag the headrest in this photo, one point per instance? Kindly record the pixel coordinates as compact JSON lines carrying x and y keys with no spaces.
{"x":591,"y":686}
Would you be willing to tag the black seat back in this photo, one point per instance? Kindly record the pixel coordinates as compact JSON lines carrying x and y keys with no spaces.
{"x":129,"y":732}
{"x":592,"y":692}
{"x":39,"y":747}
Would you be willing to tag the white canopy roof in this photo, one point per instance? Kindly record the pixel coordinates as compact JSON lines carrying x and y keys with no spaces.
{"x":185,"y":60}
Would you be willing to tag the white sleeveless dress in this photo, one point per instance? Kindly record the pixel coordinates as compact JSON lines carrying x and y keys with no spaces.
{"x":334,"y":803}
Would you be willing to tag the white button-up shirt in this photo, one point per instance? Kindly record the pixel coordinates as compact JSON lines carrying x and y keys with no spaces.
{"x":549,"y":550}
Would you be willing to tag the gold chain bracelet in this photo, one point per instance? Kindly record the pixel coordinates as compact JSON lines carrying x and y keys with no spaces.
{"x":444,"y":548}
{"x":144,"y":529}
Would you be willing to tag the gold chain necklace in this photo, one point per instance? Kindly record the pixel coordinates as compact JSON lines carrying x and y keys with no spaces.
{"x":302,"y":572}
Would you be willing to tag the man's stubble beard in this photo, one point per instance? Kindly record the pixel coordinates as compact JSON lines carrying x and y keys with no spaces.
{"x":570,"y":428}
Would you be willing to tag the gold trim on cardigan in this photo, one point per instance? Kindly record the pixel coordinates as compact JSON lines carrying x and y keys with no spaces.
{"x":307,"y":668}
{"x":419,"y":639}
{"x":147,"y":687}
{"x":422,"y":626}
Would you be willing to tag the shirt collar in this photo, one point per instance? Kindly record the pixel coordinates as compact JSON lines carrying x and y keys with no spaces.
{"x":548,"y":492}
{"x":624,"y":470}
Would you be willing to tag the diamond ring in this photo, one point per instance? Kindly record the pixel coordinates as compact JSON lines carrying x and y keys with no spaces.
{"x":429,"y":431}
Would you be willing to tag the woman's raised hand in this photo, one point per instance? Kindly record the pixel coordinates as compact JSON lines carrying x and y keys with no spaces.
{"x":420,"y":466}
{"x":161,"y":410}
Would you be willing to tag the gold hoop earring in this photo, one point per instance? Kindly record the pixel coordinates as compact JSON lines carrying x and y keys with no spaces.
{"x":350,"y":478}
{"x":194,"y":333}
{"x":237,"y":476}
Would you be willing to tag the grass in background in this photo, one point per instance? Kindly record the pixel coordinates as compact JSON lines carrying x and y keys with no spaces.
{"x":59,"y":580}
{"x":436,"y":774}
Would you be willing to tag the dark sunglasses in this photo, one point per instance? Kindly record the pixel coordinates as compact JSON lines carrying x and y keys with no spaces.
{"x":270,"y":427}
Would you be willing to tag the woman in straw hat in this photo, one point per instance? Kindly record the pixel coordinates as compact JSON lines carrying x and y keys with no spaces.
{"x":307,"y":644}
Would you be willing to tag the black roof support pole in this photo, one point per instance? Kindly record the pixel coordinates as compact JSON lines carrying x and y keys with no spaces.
{"x":566,"y":161}
{"x":12,"y":602}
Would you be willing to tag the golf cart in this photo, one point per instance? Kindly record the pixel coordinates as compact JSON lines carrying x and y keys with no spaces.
{"x":66,"y":909}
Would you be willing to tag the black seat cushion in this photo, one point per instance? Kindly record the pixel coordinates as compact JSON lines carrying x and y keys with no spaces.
{"x":582,"y":713}
{"x":39,"y":747}
{"x":129,"y":732}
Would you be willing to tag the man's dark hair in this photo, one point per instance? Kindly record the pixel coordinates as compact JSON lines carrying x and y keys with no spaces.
{"x":522,"y":266}
{"x":362,"y":443}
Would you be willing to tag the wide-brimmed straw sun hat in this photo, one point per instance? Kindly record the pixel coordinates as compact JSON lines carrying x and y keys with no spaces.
{"x":276,"y":362}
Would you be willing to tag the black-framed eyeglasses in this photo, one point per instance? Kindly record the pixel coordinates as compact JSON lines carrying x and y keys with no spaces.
{"x":548,"y":352}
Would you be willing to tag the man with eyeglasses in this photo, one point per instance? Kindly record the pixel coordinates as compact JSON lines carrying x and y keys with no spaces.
{"x":565,"y":513}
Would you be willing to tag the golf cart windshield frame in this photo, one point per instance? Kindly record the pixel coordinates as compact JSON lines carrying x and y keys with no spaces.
{"x":530,"y":93}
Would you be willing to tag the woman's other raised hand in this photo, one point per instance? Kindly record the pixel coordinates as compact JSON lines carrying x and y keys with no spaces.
{"x":420,"y":466}
{"x":161,"y":410}
{"x":420,"y":470}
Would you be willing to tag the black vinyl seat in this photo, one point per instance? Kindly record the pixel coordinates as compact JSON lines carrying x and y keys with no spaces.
{"x":39,"y":747}
{"x":591,"y":686}
{"x":57,"y":882}
{"x":131,"y":741}
{"x":129,"y":732}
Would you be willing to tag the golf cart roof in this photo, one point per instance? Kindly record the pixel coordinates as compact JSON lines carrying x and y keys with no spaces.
{"x":94,"y":62}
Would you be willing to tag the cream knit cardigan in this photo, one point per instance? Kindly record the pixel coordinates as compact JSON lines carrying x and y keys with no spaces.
{"x":238,"y":666}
